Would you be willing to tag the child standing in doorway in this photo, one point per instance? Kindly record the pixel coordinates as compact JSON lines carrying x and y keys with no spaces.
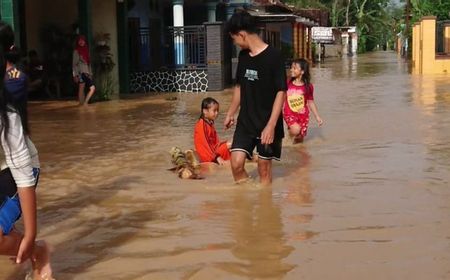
{"x":82,"y":74}
{"x":299,"y":101}
{"x":206,"y":141}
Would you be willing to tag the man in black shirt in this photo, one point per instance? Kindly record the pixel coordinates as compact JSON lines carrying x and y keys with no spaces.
{"x":260,"y":93}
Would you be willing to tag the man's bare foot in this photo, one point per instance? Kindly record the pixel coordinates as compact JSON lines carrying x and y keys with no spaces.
{"x":42,"y":269}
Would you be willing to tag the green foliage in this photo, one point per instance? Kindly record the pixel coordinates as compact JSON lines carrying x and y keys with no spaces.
{"x":374,"y":19}
{"x":438,"y":8}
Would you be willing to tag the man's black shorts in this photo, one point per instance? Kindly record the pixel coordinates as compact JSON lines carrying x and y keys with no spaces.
{"x":245,"y":143}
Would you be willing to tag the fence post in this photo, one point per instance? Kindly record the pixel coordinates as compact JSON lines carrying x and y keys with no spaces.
{"x":428,"y":44}
{"x":215,"y":56}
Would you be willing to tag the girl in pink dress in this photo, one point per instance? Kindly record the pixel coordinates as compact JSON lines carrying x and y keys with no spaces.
{"x":299,"y":101}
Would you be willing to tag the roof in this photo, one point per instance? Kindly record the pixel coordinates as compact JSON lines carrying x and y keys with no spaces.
{"x":275,"y":10}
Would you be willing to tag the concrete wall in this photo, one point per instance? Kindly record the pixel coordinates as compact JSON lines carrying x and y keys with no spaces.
{"x":104,"y":21}
{"x":333,"y":50}
{"x":424,"y":49}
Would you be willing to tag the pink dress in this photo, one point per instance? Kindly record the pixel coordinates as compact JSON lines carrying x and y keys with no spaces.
{"x":295,"y":109}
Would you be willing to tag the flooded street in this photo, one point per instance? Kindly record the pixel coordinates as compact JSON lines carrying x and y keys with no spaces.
{"x":366,"y":196}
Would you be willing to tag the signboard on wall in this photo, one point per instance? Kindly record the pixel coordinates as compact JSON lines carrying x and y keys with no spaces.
{"x":322,"y":35}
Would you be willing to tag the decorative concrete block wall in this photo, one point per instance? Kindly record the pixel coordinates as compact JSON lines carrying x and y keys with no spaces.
{"x":169,"y":81}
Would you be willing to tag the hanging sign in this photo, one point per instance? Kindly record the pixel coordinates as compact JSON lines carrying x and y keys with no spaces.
{"x":322,"y":35}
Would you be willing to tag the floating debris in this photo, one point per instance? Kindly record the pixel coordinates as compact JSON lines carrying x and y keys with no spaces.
{"x":186,"y":163}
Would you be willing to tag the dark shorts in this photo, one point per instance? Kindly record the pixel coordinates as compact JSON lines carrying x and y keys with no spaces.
{"x":86,"y":79}
{"x":245,"y":143}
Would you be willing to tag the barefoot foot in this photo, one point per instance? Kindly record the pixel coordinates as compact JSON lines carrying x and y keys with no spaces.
{"x":42,"y":269}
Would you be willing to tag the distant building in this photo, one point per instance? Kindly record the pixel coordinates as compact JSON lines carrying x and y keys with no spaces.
{"x":156,"y":45}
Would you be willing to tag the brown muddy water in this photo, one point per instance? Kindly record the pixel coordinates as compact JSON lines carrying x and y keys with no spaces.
{"x":367,"y":196}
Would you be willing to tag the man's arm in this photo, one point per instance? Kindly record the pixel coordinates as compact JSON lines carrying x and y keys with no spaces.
{"x":268,"y":133}
{"x":235,"y":102}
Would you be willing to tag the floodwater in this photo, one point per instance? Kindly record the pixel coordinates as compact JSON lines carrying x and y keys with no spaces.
{"x":367,"y":196}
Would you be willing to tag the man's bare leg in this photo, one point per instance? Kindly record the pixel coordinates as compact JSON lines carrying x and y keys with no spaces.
{"x":265,"y":171}
{"x":238,"y":166}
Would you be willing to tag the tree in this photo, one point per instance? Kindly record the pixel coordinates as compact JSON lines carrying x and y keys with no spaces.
{"x":371,"y":18}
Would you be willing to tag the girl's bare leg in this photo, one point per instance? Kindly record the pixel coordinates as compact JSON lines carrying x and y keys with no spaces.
{"x":298,"y":139}
{"x":42,"y":269}
{"x":89,"y":95}
{"x":81,"y":93}
{"x":294,"y":131}
{"x":9,"y":246}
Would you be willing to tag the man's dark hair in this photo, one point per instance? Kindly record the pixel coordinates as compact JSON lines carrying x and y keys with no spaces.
{"x":242,"y":21}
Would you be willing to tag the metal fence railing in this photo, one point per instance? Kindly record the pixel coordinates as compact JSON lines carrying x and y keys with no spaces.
{"x":186,"y":47}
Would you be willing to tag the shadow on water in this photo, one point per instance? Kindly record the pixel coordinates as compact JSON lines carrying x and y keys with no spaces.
{"x":99,"y":219}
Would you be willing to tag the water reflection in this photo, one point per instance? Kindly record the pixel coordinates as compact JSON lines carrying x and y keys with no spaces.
{"x":379,"y":169}
{"x":258,"y":231}
{"x":298,"y":190}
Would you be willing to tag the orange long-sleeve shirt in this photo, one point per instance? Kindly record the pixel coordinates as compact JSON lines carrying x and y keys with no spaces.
{"x":207,"y":142}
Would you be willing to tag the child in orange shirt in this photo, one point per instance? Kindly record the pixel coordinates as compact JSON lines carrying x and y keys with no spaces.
{"x":206,"y":141}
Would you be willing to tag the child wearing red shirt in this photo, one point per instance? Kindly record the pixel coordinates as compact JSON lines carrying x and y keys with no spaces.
{"x":206,"y":141}
{"x":299,"y":101}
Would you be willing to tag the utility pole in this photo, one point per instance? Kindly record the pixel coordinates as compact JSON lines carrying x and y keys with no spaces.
{"x":406,"y":32}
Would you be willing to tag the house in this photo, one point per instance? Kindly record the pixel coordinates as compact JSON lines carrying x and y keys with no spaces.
{"x":156,"y":45}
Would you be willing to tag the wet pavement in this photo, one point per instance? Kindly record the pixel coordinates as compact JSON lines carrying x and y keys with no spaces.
{"x":366,"y":196}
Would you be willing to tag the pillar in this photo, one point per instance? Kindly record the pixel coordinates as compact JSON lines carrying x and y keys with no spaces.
{"x":229,"y":10}
{"x":302,"y":41}
{"x":212,"y":6}
{"x":215,"y":56}
{"x":428,"y":44}
{"x":295,"y":39}
{"x":310,"y":55}
{"x":178,"y":39}
{"x":122,"y":46}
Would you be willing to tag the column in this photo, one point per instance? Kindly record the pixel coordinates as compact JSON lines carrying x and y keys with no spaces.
{"x":428,"y":44}
{"x":212,"y":5}
{"x":178,"y":37}
{"x":414,"y":45}
{"x":302,"y":40}
{"x":295,"y":39}
{"x":309,"y":55}
{"x":215,"y":56}
{"x":230,"y":10}
{"x":122,"y":46}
